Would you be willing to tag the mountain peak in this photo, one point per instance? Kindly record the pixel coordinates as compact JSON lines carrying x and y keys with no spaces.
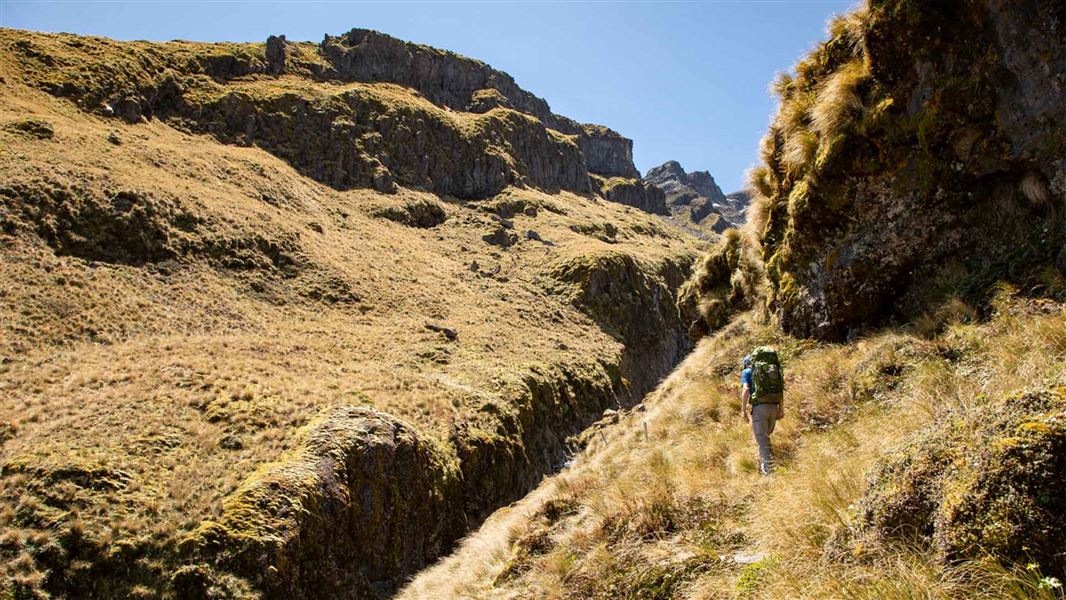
{"x":695,"y":199}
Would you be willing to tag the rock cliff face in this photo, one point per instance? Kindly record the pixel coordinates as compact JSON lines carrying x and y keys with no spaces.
{"x":470,"y":132}
{"x":608,"y":153}
{"x":635,"y":193}
{"x":917,"y":156}
{"x":635,"y":304}
{"x":362,"y":138}
{"x":694,"y":199}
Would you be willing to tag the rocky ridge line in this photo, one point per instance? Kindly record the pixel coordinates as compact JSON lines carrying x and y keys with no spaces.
{"x":462,"y":129}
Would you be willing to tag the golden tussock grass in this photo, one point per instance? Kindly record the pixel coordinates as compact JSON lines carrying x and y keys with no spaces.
{"x":839,"y":101}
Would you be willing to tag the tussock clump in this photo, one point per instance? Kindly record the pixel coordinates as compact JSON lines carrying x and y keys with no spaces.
{"x":846,"y":31}
{"x":839,"y":101}
{"x":728,"y":279}
{"x":800,"y":150}
{"x":1034,"y":188}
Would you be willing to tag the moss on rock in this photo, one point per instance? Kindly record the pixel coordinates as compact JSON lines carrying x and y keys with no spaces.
{"x":985,"y":480}
{"x":363,"y":490}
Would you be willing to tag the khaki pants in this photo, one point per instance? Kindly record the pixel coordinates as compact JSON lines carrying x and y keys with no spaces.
{"x":763,"y":419}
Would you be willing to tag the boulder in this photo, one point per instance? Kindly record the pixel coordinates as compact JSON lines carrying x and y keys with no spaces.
{"x":501,"y":236}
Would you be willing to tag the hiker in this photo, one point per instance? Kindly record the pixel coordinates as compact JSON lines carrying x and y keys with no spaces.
{"x":763,"y":385}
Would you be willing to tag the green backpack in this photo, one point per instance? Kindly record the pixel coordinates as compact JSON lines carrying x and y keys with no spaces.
{"x":767,"y":376}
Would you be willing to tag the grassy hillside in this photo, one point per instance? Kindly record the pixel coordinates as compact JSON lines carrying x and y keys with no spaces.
{"x":889,"y":484}
{"x":203,"y":350}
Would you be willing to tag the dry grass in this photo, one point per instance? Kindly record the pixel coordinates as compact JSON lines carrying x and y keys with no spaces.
{"x":175,"y":379}
{"x":687,"y":501}
{"x":839,"y":102}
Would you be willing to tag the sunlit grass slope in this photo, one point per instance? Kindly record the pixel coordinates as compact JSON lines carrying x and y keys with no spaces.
{"x":685,"y":514}
{"x":174,"y":310}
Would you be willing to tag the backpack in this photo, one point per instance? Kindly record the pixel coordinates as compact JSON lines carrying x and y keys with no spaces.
{"x":767,"y":376}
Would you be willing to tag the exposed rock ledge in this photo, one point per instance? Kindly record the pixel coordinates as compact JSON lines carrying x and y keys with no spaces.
{"x":365,"y":500}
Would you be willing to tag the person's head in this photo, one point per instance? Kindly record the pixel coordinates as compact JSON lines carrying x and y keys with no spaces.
{"x":747,"y":361}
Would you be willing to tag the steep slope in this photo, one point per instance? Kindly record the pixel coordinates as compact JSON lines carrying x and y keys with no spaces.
{"x":287,"y":319}
{"x":695,"y":201}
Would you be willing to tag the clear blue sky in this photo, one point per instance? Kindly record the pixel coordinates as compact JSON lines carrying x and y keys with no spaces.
{"x":686,"y":80}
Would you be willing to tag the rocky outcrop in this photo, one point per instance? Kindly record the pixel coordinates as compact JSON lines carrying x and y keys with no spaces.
{"x":444,"y":78}
{"x":362,"y":138}
{"x":635,"y":303}
{"x":917,"y":156}
{"x":608,"y":153}
{"x":520,"y":436}
{"x":276,"y":50}
{"x":684,"y":187}
{"x":464,"y":84}
{"x":635,"y":193}
{"x":133,"y":227}
{"x":362,"y":504}
{"x":735,"y":209}
{"x":694,"y":199}
{"x":980,"y":482}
